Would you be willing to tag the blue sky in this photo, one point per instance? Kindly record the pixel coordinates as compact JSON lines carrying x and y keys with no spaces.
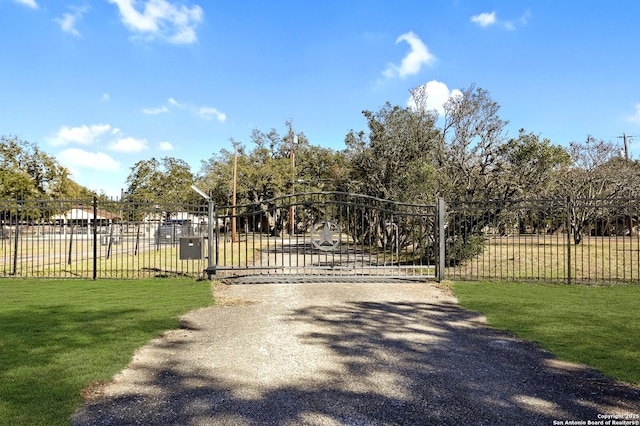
{"x":102,"y":84}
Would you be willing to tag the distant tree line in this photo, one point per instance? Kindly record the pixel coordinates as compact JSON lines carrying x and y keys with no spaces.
{"x":407,"y":154}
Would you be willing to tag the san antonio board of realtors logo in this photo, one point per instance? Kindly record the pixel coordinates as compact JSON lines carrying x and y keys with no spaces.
{"x":325,"y":235}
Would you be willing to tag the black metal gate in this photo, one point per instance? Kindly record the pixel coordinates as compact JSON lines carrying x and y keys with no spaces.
{"x":326,"y":233}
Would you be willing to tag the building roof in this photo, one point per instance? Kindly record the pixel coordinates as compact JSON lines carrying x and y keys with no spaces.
{"x":86,"y":213}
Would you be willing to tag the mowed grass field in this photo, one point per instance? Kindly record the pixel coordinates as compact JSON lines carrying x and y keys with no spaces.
{"x":594,"y":325}
{"x":58,"y":336}
{"x":73,"y":258}
{"x":547,"y":258}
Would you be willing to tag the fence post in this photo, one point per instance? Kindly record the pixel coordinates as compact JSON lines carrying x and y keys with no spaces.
{"x":441,"y":239}
{"x":568,"y":239}
{"x":211,"y":266}
{"x":16,"y":235}
{"x":95,"y":237}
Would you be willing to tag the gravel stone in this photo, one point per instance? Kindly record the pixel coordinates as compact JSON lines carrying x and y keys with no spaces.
{"x":350,"y":353}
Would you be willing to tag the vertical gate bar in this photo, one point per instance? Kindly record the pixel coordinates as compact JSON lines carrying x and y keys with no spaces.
{"x":545,"y":217}
{"x":296,"y":232}
{"x":610,"y":257}
{"x":332,"y":215}
{"x":29,"y":267}
{"x":370,"y":234}
{"x":579,"y":272}
{"x":281,"y":233}
{"x":516,"y":260}
{"x":489,"y":254}
{"x":394,"y":234}
{"x":293,"y":239}
{"x":71,"y":232}
{"x":253,"y":237}
{"x":637,"y":241}
{"x":538,"y":227}
{"x":234,"y":239}
{"x":290,"y":227}
{"x":395,"y":231}
{"x":245,"y":225}
{"x":601,"y":263}
{"x":258,"y":217}
{"x":347,"y":215}
{"x":336,"y":218}
{"x":16,"y":235}
{"x":382,"y":236}
{"x":568,"y":240}
{"x":263,"y":217}
{"x":216,"y":216}
{"x":624,"y":251}
{"x":441,"y":239}
{"x":210,"y":236}
{"x":633,"y":237}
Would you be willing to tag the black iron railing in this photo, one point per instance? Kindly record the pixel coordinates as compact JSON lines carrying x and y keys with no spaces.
{"x":553,"y":240}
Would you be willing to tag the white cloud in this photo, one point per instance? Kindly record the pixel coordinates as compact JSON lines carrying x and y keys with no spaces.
{"x":155,"y":111}
{"x":83,"y":135}
{"x":128,"y":145}
{"x":79,"y":158}
{"x":434,"y":95}
{"x":488,"y":19}
{"x":206,"y":112}
{"x":68,"y":20}
{"x":31,"y":3}
{"x":635,"y":118}
{"x":175,"y":103}
{"x":105,"y":97}
{"x":165,"y":146}
{"x":161,"y":19}
{"x":484,"y":19}
{"x":210,"y":112}
{"x":524,"y":19}
{"x":415,"y":59}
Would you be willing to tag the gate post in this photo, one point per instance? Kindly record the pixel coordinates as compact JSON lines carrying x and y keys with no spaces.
{"x":441,"y":239}
{"x":95,"y":238}
{"x":211,"y":267}
{"x":569,"y":229}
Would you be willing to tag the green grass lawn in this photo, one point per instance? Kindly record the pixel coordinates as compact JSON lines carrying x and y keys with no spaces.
{"x":58,"y":336}
{"x":594,"y":325}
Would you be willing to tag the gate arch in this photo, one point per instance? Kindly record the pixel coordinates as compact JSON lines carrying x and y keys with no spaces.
{"x":326,"y":233}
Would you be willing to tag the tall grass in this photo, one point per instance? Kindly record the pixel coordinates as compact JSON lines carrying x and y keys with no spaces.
{"x":56,"y":337}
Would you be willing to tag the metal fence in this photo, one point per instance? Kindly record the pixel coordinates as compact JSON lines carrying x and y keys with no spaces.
{"x":331,"y":234}
{"x":559,"y":240}
{"x":552,"y":240}
{"x":97,"y":239}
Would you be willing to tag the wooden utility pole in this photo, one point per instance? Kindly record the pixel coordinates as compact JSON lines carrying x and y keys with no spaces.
{"x":626,"y":138}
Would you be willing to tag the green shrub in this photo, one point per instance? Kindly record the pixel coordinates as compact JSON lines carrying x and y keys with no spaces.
{"x":459,"y":248}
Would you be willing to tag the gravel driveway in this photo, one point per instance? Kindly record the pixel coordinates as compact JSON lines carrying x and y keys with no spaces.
{"x":396,"y":353}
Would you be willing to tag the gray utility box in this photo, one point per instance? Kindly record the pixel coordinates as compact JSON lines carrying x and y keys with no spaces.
{"x":191,"y":248}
